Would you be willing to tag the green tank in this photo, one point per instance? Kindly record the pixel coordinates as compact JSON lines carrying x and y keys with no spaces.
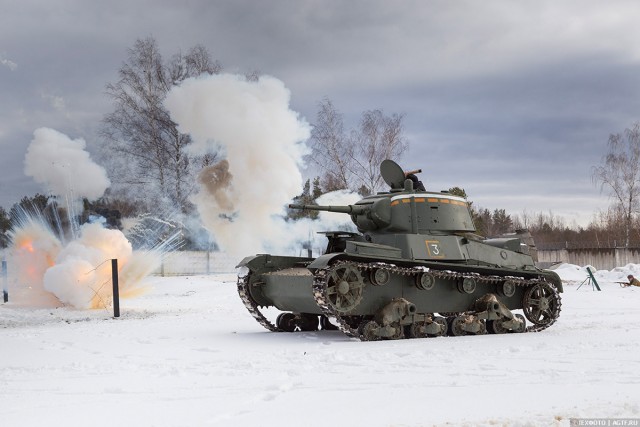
{"x":415,"y":269}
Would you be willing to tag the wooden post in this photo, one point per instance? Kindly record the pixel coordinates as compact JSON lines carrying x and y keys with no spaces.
{"x":116,"y":292}
{"x":5,"y":287}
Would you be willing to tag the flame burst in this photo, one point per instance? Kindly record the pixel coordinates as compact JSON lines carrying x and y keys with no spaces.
{"x":78,"y":274}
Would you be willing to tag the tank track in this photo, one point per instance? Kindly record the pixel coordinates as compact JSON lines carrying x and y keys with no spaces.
{"x":320,"y":283}
{"x":321,"y":277}
{"x":250,"y":304}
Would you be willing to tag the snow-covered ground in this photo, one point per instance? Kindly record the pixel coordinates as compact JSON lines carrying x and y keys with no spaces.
{"x":188,"y":354}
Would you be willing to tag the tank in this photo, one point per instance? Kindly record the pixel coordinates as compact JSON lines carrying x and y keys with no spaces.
{"x":414,"y":269}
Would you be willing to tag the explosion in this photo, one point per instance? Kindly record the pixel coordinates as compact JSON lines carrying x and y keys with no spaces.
{"x":48,"y":270}
{"x":79,"y":273}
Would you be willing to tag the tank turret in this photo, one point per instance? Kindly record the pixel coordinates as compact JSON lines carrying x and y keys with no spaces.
{"x":406,"y":211}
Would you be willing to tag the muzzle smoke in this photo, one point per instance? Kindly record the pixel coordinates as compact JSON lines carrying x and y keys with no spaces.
{"x":241,"y":200}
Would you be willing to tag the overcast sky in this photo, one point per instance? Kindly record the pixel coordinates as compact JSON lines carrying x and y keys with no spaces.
{"x":512,"y":100}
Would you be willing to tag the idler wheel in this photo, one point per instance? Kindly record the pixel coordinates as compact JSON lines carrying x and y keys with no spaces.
{"x":540,"y":304}
{"x":344,"y":287}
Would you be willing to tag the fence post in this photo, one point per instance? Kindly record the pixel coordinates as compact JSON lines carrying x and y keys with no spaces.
{"x":5,"y":286}
{"x":116,"y":292}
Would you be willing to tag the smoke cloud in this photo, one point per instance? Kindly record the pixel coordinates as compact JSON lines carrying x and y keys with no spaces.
{"x":242,"y":199}
{"x":63,"y":166}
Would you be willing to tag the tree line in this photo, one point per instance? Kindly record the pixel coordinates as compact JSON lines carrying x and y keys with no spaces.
{"x":618,"y":175}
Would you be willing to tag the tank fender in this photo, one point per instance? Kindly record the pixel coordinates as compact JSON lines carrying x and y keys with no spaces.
{"x":324,"y":260}
{"x":266,"y":262}
{"x":555,"y":279}
{"x":253,"y":262}
{"x":245,"y":261}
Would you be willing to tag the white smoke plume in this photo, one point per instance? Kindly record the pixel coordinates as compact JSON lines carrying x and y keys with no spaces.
{"x":242,"y":199}
{"x":63,"y":166}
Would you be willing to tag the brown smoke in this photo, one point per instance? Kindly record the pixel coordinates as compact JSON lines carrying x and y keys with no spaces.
{"x":216,"y":179}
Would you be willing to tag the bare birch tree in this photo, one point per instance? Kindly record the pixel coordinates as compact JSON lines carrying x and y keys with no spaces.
{"x":352,"y":160}
{"x":140,"y":133}
{"x":619,"y":173}
{"x":331,"y":149}
{"x":379,"y":137}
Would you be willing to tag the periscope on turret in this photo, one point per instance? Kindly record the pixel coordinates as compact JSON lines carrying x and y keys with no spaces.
{"x":415,"y":268}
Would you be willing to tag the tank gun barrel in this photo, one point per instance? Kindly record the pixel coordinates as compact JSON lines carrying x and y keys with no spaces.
{"x":348,"y":209}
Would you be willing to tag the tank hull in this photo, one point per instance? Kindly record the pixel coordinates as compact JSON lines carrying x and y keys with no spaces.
{"x":310,"y":287}
{"x":290,"y":288}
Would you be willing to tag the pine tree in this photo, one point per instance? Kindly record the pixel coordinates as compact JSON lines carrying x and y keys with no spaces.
{"x":502,"y":222}
{"x":305,"y":198}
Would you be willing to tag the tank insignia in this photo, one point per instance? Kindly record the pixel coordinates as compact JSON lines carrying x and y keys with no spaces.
{"x":434,"y":249}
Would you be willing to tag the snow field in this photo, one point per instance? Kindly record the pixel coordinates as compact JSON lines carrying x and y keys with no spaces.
{"x":188,"y":353}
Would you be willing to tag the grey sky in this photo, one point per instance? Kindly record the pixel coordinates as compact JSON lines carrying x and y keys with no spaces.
{"x":511,"y":100}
